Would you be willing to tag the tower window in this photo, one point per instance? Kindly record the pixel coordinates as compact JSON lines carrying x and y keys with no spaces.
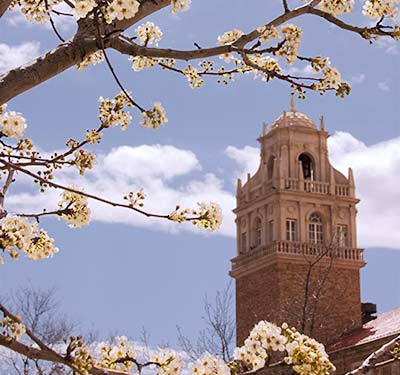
{"x":291,"y":230}
{"x":315,"y":229}
{"x":258,"y":232}
{"x":271,"y":230}
{"x":243,"y":240}
{"x":308,"y":167}
{"x":270,"y":168}
{"x":342,"y":235}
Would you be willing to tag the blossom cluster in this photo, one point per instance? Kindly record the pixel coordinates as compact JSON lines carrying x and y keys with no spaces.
{"x":264,"y":338}
{"x":267,"y":64}
{"x":141,"y":62}
{"x":93,"y":59}
{"x":35,"y":10}
{"x":209,"y":364}
{"x":81,"y":357}
{"x":12,"y":124}
{"x":148,"y":33}
{"x":135,"y":199}
{"x":12,"y":328}
{"x":337,"y":7}
{"x":93,"y":136}
{"x":180,"y":5}
{"x":380,"y":8}
{"x":193,"y":77}
{"x":117,"y":355}
{"x":154,"y":117}
{"x":83,"y":160}
{"x":83,"y":8}
{"x":289,"y":33}
{"x":18,"y":234}
{"x":229,"y":37}
{"x":268,"y":33}
{"x":306,"y":355}
{"x":112,"y":111}
{"x":331,"y":76}
{"x":169,"y":361}
{"x":75,"y":208}
{"x":208,"y":216}
{"x":289,"y":50}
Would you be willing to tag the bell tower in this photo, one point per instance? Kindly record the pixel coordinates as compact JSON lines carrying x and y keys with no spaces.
{"x":297,"y":257}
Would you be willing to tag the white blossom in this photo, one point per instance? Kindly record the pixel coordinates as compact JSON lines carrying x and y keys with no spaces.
{"x":380,"y":8}
{"x":77,"y":212}
{"x":93,"y":59}
{"x":141,"y":62}
{"x":209,"y":365}
{"x":121,"y":9}
{"x":170,"y":361}
{"x":337,"y":7}
{"x":154,"y":117}
{"x":180,"y":5}
{"x":83,"y":8}
{"x":12,"y":124}
{"x":17,"y":233}
{"x":148,"y":33}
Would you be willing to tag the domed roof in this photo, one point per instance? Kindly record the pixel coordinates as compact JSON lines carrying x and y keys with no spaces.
{"x":293,"y":118}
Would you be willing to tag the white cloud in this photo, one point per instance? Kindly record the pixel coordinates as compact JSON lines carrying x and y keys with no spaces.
{"x":151,"y":168}
{"x":247,"y":159}
{"x":357,"y":78}
{"x":383,"y":86}
{"x":389,"y":45}
{"x":16,"y":18}
{"x":14,"y":56}
{"x":305,"y":70}
{"x":376,"y":171}
{"x":171,"y":176}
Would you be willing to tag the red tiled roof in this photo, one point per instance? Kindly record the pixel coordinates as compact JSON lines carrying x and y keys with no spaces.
{"x":386,"y":324}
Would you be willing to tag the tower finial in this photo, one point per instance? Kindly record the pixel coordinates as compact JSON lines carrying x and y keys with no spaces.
{"x":264,"y":128}
{"x":292,"y":103}
{"x":322,"y":123}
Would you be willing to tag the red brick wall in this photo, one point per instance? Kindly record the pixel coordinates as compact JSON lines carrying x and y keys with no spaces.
{"x":276,"y":293}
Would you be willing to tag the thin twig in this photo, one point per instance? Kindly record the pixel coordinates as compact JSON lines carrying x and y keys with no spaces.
{"x":117,"y":80}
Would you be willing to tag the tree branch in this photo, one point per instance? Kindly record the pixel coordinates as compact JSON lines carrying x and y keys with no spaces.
{"x":66,"y":55}
{"x":362,"y":31}
{"x":3,"y":191}
{"x":4,"y":4}
{"x":368,"y":364}
{"x":21,"y":79}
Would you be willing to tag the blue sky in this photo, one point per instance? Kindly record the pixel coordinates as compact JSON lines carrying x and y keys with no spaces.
{"x":123,"y":272}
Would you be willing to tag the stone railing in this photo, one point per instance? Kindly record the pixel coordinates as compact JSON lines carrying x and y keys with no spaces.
{"x":300,"y":249}
{"x":317,"y":187}
{"x":295,"y":184}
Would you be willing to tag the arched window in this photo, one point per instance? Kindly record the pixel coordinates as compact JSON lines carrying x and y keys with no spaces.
{"x":308,"y":167}
{"x":258,"y":232}
{"x":315,"y":229}
{"x":270,"y":168}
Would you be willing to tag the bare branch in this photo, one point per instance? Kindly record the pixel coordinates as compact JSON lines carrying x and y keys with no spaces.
{"x":369,"y":362}
{"x":66,"y":55}
{"x":3,"y":191}
{"x":91,"y":196}
{"x":362,"y":31}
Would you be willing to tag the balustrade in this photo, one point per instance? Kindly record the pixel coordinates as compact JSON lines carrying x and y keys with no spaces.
{"x":300,"y":249}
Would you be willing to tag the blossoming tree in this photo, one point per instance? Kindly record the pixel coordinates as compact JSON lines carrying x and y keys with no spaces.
{"x":104,"y":25}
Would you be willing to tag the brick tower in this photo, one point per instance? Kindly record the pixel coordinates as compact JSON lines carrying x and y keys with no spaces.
{"x":297,"y":257}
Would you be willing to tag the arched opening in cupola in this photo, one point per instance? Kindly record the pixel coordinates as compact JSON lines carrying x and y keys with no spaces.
{"x":308,"y":167}
{"x":270,"y":168}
